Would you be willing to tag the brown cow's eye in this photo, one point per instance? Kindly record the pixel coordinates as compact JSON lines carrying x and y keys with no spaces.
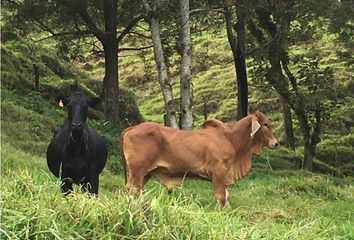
{"x":266,"y":125}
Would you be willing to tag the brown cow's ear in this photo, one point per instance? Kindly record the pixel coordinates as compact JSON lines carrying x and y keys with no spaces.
{"x":61,"y":101}
{"x":255,"y":127}
{"x":94,"y":101}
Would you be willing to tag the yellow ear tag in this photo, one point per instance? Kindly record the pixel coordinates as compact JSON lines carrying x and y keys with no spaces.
{"x":61,"y":103}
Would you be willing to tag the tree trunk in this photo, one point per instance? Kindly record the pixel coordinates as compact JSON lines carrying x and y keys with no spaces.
{"x":308,"y":156}
{"x":238,"y":52}
{"x":186,"y":120}
{"x":310,"y":141}
{"x":36,"y":77}
{"x":110,"y":46}
{"x":110,"y":82}
{"x":205,"y":107}
{"x":288,"y":123}
{"x":306,"y":134}
{"x":278,"y":81}
{"x":240,"y":62}
{"x":164,"y":82}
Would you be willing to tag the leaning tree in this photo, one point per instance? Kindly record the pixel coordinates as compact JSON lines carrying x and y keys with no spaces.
{"x":301,"y":82}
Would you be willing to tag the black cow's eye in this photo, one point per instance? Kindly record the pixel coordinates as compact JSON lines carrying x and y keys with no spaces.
{"x":266,"y":125}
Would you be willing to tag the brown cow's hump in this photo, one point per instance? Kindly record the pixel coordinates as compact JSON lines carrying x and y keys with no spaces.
{"x":212,"y":123}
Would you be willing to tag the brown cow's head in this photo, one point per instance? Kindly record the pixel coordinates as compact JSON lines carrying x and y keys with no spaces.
{"x":262,"y":131}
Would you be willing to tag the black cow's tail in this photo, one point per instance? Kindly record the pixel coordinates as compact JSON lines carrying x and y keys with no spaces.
{"x":122,"y":156}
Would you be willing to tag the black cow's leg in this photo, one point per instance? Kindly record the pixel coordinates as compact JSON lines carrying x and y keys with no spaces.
{"x":92,"y":185}
{"x":66,"y":187}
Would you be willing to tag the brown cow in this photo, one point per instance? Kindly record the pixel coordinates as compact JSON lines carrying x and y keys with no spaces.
{"x":219,"y":152}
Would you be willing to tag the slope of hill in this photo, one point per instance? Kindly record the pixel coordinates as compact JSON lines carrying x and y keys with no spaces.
{"x":268,"y":203}
{"x":275,"y":201}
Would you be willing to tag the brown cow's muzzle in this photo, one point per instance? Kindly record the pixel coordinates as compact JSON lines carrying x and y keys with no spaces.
{"x":272,"y":143}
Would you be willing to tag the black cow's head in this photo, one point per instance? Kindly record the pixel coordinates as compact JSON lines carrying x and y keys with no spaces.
{"x":77,"y":106}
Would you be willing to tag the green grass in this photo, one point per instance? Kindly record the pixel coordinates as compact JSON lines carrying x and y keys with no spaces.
{"x":274,"y":201}
{"x":266,"y":204}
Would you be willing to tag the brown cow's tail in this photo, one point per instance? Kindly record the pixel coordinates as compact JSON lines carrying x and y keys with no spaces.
{"x":122,"y":156}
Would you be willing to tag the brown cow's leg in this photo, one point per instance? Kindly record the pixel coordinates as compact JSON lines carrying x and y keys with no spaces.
{"x":146,"y":179}
{"x":135,"y":181}
{"x":219,"y":188}
{"x":227,"y":198}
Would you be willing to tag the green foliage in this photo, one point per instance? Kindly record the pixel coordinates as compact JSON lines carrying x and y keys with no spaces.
{"x":338,"y":152}
{"x":128,"y":109}
{"x":17,"y":71}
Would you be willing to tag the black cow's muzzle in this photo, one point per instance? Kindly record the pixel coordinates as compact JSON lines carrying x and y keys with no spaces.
{"x":76,"y":125}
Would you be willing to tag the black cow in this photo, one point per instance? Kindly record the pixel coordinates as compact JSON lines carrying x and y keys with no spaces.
{"x":78,"y":149}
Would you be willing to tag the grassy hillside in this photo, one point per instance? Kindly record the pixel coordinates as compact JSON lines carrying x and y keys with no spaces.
{"x":275,"y":201}
{"x":268,"y":203}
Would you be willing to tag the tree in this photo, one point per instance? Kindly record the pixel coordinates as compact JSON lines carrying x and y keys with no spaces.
{"x":164,"y":82}
{"x":81,"y":18}
{"x":238,"y":48}
{"x":307,"y":92}
{"x":186,"y":120}
{"x":288,"y":123}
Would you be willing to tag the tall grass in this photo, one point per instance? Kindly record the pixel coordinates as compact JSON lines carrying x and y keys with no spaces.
{"x":275,"y":202}
{"x":266,"y":204}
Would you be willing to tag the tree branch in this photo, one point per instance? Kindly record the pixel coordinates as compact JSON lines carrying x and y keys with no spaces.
{"x":147,"y":7}
{"x":129,"y":27}
{"x":258,"y":48}
{"x":37,"y":22}
{"x":291,"y":76}
{"x":135,"y":49}
{"x":140,"y":35}
{"x":76,"y":33}
{"x":82,"y":12}
{"x":230,"y":34}
{"x":315,"y":138}
{"x":217,"y":10}
{"x":257,"y":34}
{"x":143,"y":28}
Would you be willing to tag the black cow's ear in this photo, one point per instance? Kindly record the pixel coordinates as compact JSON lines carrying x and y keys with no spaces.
{"x":94,"y":101}
{"x":61,"y":100}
